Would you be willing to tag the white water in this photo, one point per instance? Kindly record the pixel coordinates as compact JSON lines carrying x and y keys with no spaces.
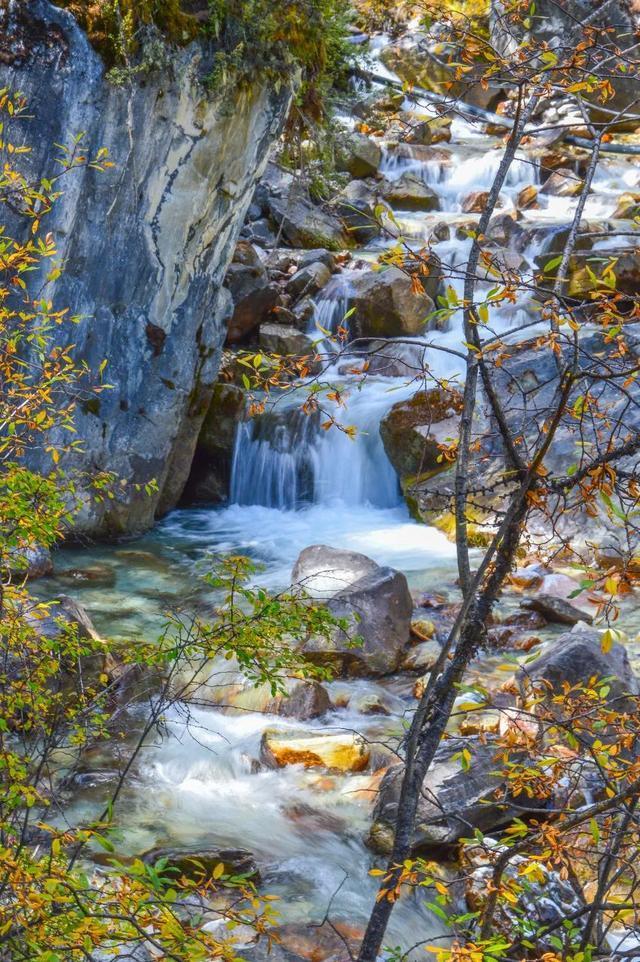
{"x":286,"y":459}
{"x":293,"y":485}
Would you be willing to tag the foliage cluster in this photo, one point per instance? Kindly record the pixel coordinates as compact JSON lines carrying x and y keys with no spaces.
{"x":249,"y":38}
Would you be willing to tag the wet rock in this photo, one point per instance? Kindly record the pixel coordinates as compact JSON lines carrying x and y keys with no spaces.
{"x":246,"y":255}
{"x":358,"y":155}
{"x":305,"y":700}
{"x":475,"y":202}
{"x":307,"y":820}
{"x":527,"y":198}
{"x":501,"y":636}
{"x":422,"y":657}
{"x":628,"y":207}
{"x":303,"y":312}
{"x":237,"y":935}
{"x":466,"y":230}
{"x":317,"y":256}
{"x":356,"y":206}
{"x":285,"y":340}
{"x":421,"y":133}
{"x":441,"y":232}
{"x":501,"y":263}
{"x":337,"y":942}
{"x":309,"y":279}
{"x":31,"y":563}
{"x":254,"y":297}
{"x":562,"y":183}
{"x":376,"y":602}
{"x":505,"y":231}
{"x":371,"y":703}
{"x":299,"y":221}
{"x":260,"y":232}
{"x":453,"y":801}
{"x":409,"y":192}
{"x":62,"y":612}
{"x":413,"y":431}
{"x":529,"y":577}
{"x":422,"y":629}
{"x":530,"y":620}
{"x":545,"y":901}
{"x":576,"y":657}
{"x":100,"y":663}
{"x":200,"y":863}
{"x":386,"y":305}
{"x":583,"y":267}
{"x":556,"y":609}
{"x":557,"y":584}
{"x":343,"y":752}
{"x":210,"y":477}
{"x":303,"y":224}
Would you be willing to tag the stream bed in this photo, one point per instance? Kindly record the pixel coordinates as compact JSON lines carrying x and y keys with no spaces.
{"x":294,"y":485}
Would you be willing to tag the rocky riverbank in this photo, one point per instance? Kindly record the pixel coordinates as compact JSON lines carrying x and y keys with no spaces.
{"x":299,"y":790}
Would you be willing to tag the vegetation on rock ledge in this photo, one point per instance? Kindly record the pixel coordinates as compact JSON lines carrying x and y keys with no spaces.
{"x":249,"y":38}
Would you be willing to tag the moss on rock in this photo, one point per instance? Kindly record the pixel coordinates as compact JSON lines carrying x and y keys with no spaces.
{"x":113,"y":26}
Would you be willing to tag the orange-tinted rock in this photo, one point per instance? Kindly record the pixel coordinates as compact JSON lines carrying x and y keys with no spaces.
{"x":475,"y":202}
{"x":343,"y":752}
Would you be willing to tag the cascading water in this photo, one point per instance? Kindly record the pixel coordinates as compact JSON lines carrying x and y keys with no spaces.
{"x":454,"y":175}
{"x":331,"y":308}
{"x":285,"y":459}
{"x":295,"y":484}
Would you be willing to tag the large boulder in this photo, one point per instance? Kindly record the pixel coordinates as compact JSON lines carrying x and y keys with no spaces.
{"x":386,"y":304}
{"x":356,"y":206}
{"x":575,"y":658}
{"x":303,"y":700}
{"x":562,"y":183}
{"x":299,"y":221}
{"x":333,"y":941}
{"x":210,"y":476}
{"x":200,"y":863}
{"x":557,"y":610}
{"x":586,"y":272}
{"x":358,"y":155}
{"x":254,"y":297}
{"x":341,"y":752}
{"x":375,"y":600}
{"x":409,"y":192}
{"x":94,"y":664}
{"x":454,"y":800}
{"x":152,"y":302}
{"x":30,"y":563}
{"x":63,"y":613}
{"x":309,"y":279}
{"x":414,"y":430}
{"x":628,"y":207}
{"x":284,"y":339}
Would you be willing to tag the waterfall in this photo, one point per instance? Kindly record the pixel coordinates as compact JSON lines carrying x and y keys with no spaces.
{"x":332,"y":307}
{"x":286,"y":459}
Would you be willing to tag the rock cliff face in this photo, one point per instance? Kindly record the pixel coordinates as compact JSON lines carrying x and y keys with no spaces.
{"x":145,"y":245}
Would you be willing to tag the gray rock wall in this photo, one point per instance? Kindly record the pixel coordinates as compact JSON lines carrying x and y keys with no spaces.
{"x":146,"y":245}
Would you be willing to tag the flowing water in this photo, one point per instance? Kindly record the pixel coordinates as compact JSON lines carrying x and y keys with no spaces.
{"x":295,"y":484}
